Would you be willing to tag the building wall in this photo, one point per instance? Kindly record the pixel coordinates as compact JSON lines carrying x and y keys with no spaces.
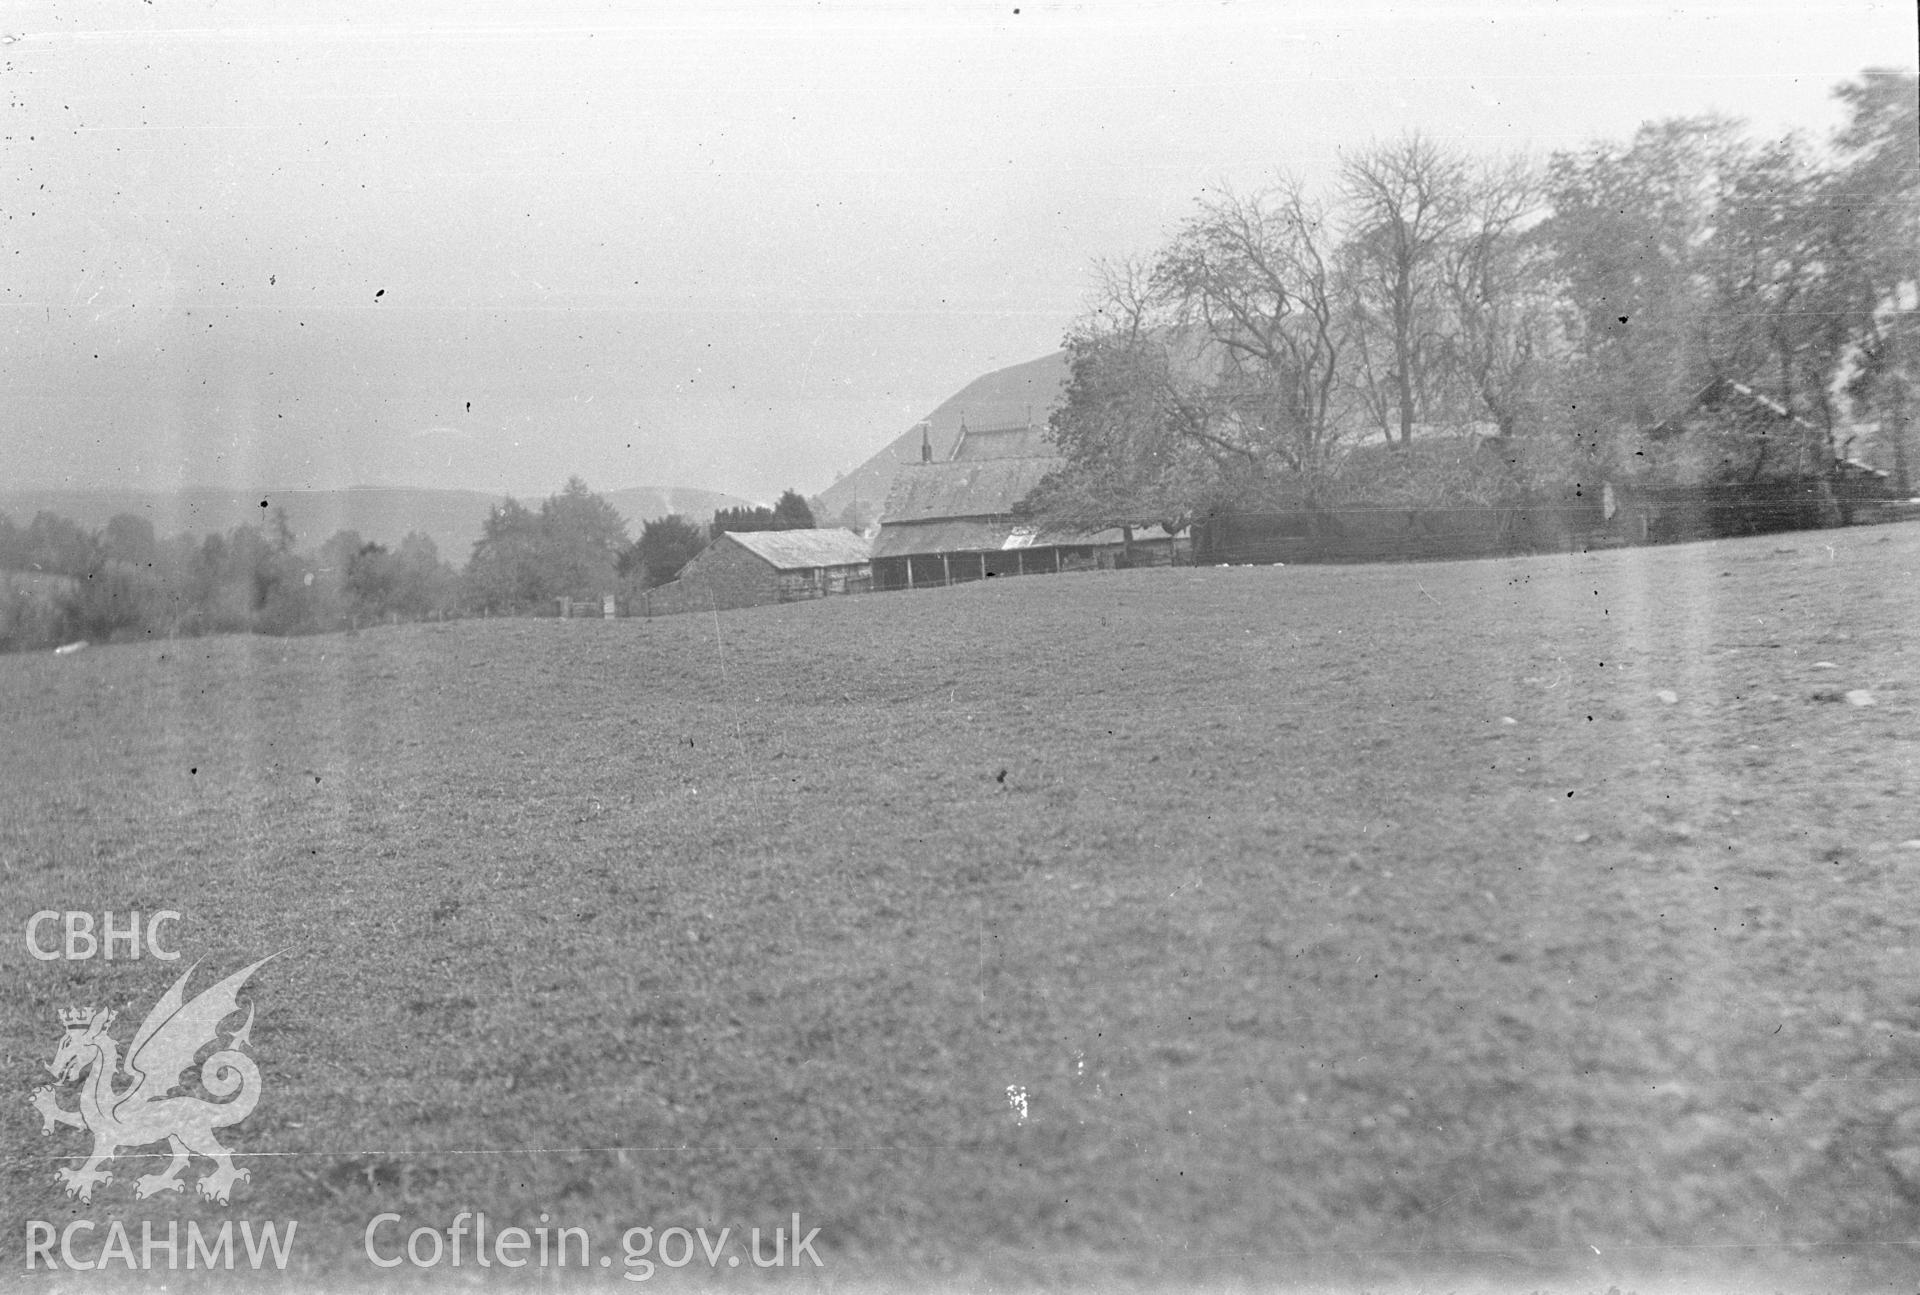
{"x":961,"y":565}
{"x":721,"y":576}
{"x":820,"y":582}
{"x":1393,"y":534}
{"x":727,"y":575}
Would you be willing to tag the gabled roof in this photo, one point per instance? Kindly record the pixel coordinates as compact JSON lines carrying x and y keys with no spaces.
{"x":1014,"y":394}
{"x":1016,"y":441}
{"x":1728,"y":394}
{"x":800,"y":550}
{"x":979,"y":488}
{"x":900,"y":540}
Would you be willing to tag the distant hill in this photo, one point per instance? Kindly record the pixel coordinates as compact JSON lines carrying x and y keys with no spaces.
{"x":1005,"y":396}
{"x":453,"y":518}
{"x":644,"y":503}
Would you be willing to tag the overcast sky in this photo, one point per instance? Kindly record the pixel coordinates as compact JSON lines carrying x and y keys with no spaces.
{"x":737,"y":246}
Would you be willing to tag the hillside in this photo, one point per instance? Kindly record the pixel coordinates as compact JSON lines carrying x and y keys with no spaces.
{"x":453,"y":518}
{"x":1010,"y":395}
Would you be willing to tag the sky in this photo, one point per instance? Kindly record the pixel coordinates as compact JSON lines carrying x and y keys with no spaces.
{"x":736,"y":246}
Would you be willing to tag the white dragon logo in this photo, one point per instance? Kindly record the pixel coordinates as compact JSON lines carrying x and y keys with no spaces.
{"x":161,"y":1052}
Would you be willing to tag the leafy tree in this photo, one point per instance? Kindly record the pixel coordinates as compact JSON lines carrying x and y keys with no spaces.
{"x":130,"y":539}
{"x":569,"y":549}
{"x":503,"y":572}
{"x":424,"y":585}
{"x":247,"y":580}
{"x":791,"y":512}
{"x":1629,"y":234}
{"x":371,"y":580}
{"x":1132,"y":388}
{"x":666,"y":545}
{"x":1879,"y":187}
{"x":741,"y":520}
{"x":582,"y":537}
{"x":1780,"y":260}
{"x":58,"y":546}
{"x":118,"y":599}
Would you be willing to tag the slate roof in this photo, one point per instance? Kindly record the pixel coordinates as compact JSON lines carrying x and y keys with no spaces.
{"x":898,"y":540}
{"x":801,"y":550}
{"x":967,"y":488}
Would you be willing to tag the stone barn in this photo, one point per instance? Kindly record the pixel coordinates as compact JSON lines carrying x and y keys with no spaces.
{"x":751,"y":568}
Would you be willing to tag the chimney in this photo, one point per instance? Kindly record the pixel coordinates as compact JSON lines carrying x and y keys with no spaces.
{"x":926,"y":445}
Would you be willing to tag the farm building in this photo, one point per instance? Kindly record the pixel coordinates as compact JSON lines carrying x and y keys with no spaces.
{"x":1731,"y":461}
{"x":1448,"y":495}
{"x":1019,"y":395}
{"x":1734,"y":461}
{"x":966,"y":519}
{"x":750,"y":568}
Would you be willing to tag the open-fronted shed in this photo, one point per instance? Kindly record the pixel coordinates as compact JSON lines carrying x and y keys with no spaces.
{"x":967,"y":519}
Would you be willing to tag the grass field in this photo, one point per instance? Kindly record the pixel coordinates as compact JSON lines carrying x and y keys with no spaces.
{"x":1546,"y":923}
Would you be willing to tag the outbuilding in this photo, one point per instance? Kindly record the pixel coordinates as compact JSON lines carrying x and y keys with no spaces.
{"x":967,"y":519}
{"x":753,"y":568}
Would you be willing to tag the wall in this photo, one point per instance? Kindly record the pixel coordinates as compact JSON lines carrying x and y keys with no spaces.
{"x":721,"y":576}
{"x":727,"y":575}
{"x":820,"y":582}
{"x":1392,"y":534}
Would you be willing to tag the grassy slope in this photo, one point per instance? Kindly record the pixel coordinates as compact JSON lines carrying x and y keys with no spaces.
{"x":1309,"y":965}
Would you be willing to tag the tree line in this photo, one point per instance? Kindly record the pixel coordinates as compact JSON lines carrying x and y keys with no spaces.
{"x":60,"y":582}
{"x":575,"y":545}
{"x":1565,"y":306}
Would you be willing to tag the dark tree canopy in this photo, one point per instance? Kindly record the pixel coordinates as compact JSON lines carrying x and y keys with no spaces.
{"x":791,"y":513}
{"x":569,"y":549}
{"x":666,"y":545}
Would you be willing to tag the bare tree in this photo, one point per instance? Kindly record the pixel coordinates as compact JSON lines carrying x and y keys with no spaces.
{"x":1496,"y":294}
{"x":1249,"y":283}
{"x":1205,"y":374}
{"x":1406,"y":205}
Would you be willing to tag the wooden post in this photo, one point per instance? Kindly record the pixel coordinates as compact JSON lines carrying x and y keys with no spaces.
{"x":909,"y":560}
{"x":946,"y":569}
{"x":1019,"y":562}
{"x":983,"y":564}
